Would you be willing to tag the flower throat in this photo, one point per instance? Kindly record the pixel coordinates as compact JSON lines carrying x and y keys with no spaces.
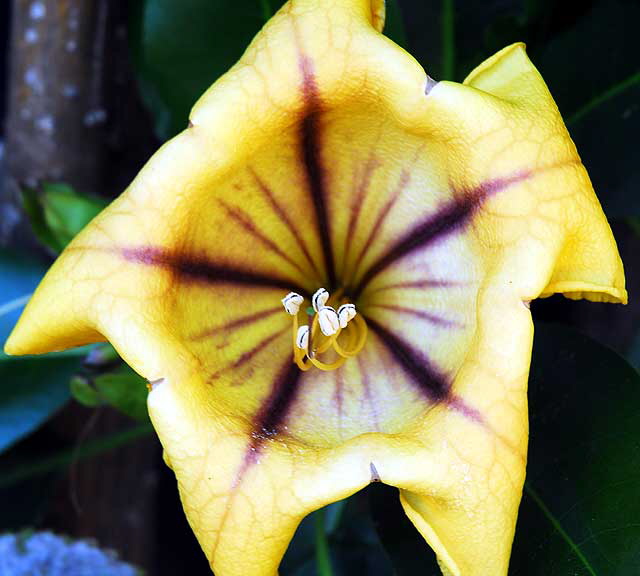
{"x":334,"y":335}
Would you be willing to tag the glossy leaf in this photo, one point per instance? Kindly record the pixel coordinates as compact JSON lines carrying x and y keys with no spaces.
{"x":354,"y":546}
{"x":57,"y":212}
{"x":182,"y":47}
{"x":598,"y":91}
{"x":19,"y":276}
{"x":83,"y":392}
{"x":126,"y":391}
{"x":580,"y":512}
{"x":31,"y":389}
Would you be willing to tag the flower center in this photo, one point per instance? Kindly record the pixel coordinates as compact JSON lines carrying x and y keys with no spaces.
{"x":326,"y":337}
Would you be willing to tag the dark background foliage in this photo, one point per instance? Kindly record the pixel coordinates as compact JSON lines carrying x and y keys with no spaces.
{"x":90,"y":88}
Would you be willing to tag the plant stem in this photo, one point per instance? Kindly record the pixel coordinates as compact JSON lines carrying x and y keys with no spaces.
{"x":323,"y":559}
{"x":559,"y":529}
{"x":14,"y":304}
{"x":66,"y":457}
{"x":601,"y":98}
{"x":448,"y":40}
{"x":267,"y":10}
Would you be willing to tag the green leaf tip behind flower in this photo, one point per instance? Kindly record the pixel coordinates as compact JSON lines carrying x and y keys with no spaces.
{"x":57,"y":212}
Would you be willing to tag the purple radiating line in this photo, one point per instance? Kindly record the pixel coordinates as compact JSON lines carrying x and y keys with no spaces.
{"x":359,"y":198}
{"x":246,"y":222}
{"x":311,"y":156}
{"x":458,"y":404}
{"x":415,"y":284}
{"x":282,"y":214}
{"x":444,"y":221}
{"x":405,"y":177}
{"x":423,"y":314}
{"x":429,"y":381}
{"x":246,"y":356}
{"x":338,"y":397}
{"x":249,"y":354}
{"x":366,"y":388}
{"x":237,"y":323}
{"x":200,"y":269}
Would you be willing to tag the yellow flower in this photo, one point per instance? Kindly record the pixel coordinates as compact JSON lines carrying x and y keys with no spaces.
{"x":327,"y":158}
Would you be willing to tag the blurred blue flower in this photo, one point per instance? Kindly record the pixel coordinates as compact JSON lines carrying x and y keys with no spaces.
{"x":45,"y":554}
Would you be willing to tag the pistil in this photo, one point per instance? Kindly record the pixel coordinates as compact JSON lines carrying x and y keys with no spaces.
{"x":343,"y":331}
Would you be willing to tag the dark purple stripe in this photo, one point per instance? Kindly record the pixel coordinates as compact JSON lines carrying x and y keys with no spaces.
{"x":237,"y":323}
{"x":311,"y":153}
{"x":273,"y":413}
{"x":282,"y":214}
{"x":454,"y":215}
{"x":246,"y":222}
{"x":426,"y":377}
{"x":422,"y":314}
{"x":434,"y":385}
{"x":200,"y":269}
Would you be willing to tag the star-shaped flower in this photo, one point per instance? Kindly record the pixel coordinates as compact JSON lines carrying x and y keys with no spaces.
{"x":404,"y":224}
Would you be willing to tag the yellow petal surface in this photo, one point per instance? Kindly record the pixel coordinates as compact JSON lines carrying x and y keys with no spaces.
{"x":327,"y":158}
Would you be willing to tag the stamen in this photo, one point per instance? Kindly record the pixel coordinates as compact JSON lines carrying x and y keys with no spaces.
{"x":292,"y":302}
{"x":302,"y":338}
{"x":328,"y":320}
{"x":323,"y":332}
{"x":319,"y":299}
{"x":346,"y":312}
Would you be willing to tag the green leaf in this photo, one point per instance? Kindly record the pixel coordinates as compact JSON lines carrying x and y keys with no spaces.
{"x":57,"y":213}
{"x":31,"y":389}
{"x":580,"y":511}
{"x":19,"y":276}
{"x":181,"y":48}
{"x":84,"y":393}
{"x":126,"y":391}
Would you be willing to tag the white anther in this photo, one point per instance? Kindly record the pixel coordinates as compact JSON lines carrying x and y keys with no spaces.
{"x":319,"y":299}
{"x":292,"y":302}
{"x":328,"y":320}
{"x":302,"y":337}
{"x":346,"y":312}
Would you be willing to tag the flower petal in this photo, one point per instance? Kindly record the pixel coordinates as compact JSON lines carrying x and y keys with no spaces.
{"x":327,"y":158}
